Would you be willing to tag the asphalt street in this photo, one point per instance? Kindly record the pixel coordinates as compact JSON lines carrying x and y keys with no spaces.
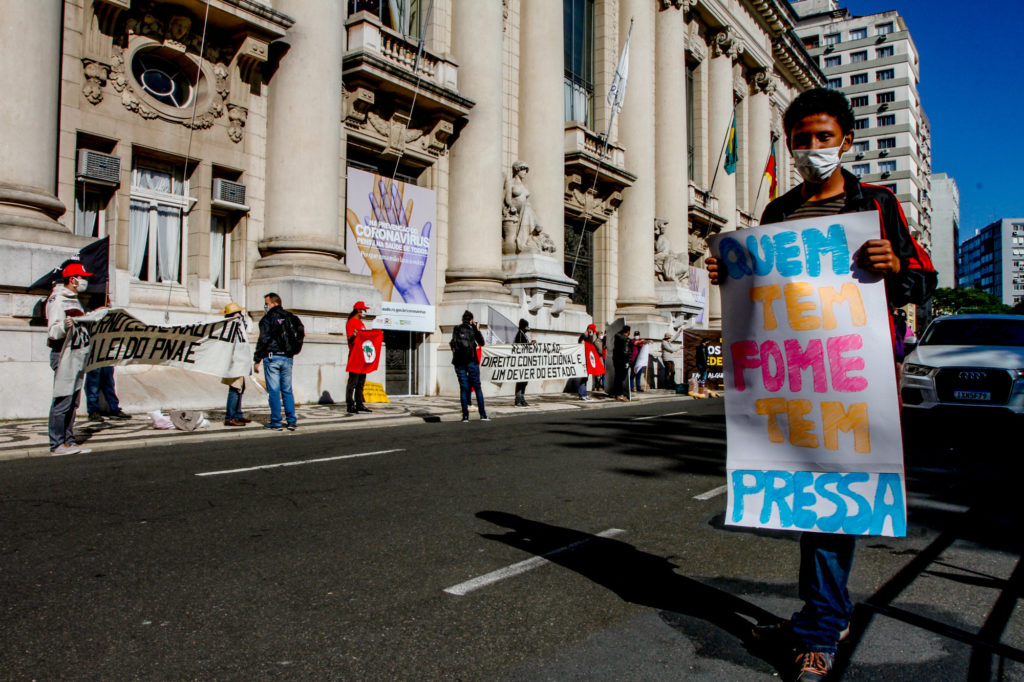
{"x":545,"y":546}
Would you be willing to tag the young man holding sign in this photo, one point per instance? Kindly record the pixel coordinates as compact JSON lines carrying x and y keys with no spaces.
{"x":819,"y":130}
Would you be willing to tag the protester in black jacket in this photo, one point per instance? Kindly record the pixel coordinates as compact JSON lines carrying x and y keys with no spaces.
{"x":273,"y":349}
{"x":466,"y":338}
{"x":521,"y":337}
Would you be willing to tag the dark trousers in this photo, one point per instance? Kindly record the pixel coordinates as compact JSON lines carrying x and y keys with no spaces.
{"x":825,"y":563}
{"x":622,"y":373}
{"x":354,"y":391}
{"x":521,"y":392}
{"x":101,"y":381}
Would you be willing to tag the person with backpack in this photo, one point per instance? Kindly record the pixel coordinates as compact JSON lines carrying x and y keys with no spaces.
{"x":356,"y":380}
{"x":466,"y":338}
{"x":281,"y":337}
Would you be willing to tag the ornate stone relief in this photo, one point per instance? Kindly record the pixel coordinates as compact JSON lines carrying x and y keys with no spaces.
{"x":696,"y":48}
{"x":96,"y":75}
{"x":587,"y":202}
{"x":726,"y":42}
{"x":391,"y":132}
{"x":236,"y":121}
{"x":740,"y":87}
{"x":761,"y":81}
{"x":669,"y":266}
{"x":521,"y":229}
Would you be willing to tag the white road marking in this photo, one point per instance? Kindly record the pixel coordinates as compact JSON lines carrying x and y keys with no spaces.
{"x":714,"y":492}
{"x":465,"y":588}
{"x":655,"y":416}
{"x":298,"y":462}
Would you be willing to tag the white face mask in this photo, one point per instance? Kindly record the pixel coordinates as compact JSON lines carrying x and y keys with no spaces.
{"x":81,"y":285}
{"x":817,"y":165}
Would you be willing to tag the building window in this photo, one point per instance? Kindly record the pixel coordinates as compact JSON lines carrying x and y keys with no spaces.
{"x":404,"y":16}
{"x":578,"y":49}
{"x":891,"y":187}
{"x":860,"y":101}
{"x":220,"y":251}
{"x":887,"y":120}
{"x":885,"y":74}
{"x":811,"y":42}
{"x":860,"y":169}
{"x":858,"y":79}
{"x":833,"y":61}
{"x":858,"y":33}
{"x":884,"y":29}
{"x":861,"y":56}
{"x":156,"y":222}
{"x":833,"y":39}
{"x":161,"y":79}
{"x":885,"y":97}
{"x":886,"y":166}
{"x":861,"y":146}
{"x":90,"y":203}
{"x":881,"y":52}
{"x":834,"y":83}
{"x":860,"y":124}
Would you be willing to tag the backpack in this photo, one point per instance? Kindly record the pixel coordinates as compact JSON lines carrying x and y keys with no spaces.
{"x":292,"y":333}
{"x":463,"y":343}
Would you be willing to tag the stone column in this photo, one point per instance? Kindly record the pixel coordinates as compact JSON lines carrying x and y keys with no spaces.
{"x":542,"y":113}
{"x":474,"y":229}
{"x":671,"y":183}
{"x":636,"y":297}
{"x":760,"y":121}
{"x":30,"y":50}
{"x":302,"y":234}
{"x":725,"y":47}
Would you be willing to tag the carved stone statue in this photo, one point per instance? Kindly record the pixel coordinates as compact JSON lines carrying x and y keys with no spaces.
{"x":520,"y":226}
{"x":668,"y":265}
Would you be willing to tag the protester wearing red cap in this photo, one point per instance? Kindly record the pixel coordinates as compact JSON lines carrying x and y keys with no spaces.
{"x":356,"y":381}
{"x":61,"y":307}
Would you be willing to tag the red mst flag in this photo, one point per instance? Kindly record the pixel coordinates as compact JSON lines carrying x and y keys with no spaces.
{"x":364,"y":356}
{"x":594,"y":365}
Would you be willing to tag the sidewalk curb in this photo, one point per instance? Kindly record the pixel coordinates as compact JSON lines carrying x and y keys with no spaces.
{"x":341,"y":424}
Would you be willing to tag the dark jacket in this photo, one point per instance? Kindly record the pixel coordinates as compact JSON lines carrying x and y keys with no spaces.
{"x":700,"y":356}
{"x":620,"y":349}
{"x":270,"y":340}
{"x":916,"y":280}
{"x":462,"y":358}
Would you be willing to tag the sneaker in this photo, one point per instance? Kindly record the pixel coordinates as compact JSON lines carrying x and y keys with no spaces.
{"x":812,"y":666}
{"x":95,"y":417}
{"x":465,"y":419}
{"x":363,"y":410}
{"x":273,"y":427}
{"x":485,"y":418}
{"x":292,"y":427}
{"x":121,"y":414}
{"x":65,"y":449}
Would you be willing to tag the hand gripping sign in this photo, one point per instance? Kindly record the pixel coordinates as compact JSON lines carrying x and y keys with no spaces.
{"x":364,"y":356}
{"x":812,"y":418}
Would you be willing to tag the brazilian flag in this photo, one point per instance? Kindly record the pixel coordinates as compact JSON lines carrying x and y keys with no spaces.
{"x":732,"y":155}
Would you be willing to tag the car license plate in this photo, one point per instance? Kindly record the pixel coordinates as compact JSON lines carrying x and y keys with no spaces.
{"x":972,"y":395}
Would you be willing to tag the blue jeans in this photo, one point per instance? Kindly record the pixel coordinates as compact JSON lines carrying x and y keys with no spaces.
{"x":278,"y":372}
{"x":469,"y":381}
{"x":825,"y":563}
{"x":98,"y":380}
{"x":234,"y":408}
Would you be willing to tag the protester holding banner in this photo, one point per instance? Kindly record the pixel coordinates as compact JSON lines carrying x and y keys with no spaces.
{"x":233,"y":415}
{"x":640,"y":361}
{"x":356,"y":380}
{"x":61,"y":307}
{"x":593,"y":351}
{"x":819,"y":130}
{"x":281,"y":337}
{"x":466,"y":339}
{"x":521,"y":337}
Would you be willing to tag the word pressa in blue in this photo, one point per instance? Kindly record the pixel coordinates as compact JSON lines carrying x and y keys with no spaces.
{"x":790,"y":253}
{"x":856,"y":504}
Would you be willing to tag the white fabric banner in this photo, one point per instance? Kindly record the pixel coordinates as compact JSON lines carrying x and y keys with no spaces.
{"x":114,"y":337}
{"x":812,"y":416}
{"x":532,"y":362}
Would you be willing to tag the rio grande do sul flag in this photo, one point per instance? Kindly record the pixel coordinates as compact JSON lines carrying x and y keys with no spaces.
{"x":364,"y":356}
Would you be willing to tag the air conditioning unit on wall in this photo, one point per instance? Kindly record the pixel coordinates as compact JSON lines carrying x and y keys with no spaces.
{"x":228,"y":194}
{"x":98,"y":167}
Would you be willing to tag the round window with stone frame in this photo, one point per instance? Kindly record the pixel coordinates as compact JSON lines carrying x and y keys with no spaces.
{"x":167,"y":78}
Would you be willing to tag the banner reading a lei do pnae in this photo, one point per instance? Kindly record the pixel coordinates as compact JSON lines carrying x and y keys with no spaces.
{"x":812,"y":419}
{"x":532,"y":362}
{"x":115,"y":337}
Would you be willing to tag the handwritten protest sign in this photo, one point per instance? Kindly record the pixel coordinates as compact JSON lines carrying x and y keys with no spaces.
{"x":532,"y":362}
{"x":812,"y":418}
{"x":114,"y":337}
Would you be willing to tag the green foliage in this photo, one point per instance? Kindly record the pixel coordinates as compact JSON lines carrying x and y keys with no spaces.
{"x":962,"y":301}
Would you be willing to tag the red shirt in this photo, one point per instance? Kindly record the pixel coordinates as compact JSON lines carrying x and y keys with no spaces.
{"x":353,"y":325}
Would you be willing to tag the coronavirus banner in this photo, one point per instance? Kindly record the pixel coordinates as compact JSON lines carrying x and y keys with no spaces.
{"x":532,"y":362}
{"x":812,"y":417}
{"x":389,"y":237}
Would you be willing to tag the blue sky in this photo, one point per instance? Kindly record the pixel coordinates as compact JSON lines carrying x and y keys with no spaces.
{"x":972,"y":89}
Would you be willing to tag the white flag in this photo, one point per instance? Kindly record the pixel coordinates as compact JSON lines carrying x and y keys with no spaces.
{"x":617,"y":93}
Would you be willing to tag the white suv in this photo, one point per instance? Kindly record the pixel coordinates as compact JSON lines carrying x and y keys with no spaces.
{"x":974,"y":361}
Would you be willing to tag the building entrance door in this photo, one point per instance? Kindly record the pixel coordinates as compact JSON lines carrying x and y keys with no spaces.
{"x":401,"y":363}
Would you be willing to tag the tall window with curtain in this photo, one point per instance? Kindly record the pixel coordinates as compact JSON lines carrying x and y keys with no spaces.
{"x":404,"y":16}
{"x":156,"y":222}
{"x":89,"y":205}
{"x":220,"y":249}
{"x":578,"y":47}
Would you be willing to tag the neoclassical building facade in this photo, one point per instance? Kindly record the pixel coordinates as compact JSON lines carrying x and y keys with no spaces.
{"x":215,"y":141}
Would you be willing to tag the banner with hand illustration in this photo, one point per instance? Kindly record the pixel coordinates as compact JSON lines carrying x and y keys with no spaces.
{"x":364,"y":355}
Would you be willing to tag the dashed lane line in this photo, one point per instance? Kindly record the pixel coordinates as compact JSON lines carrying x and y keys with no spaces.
{"x":299,"y":462}
{"x":462,"y":589}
